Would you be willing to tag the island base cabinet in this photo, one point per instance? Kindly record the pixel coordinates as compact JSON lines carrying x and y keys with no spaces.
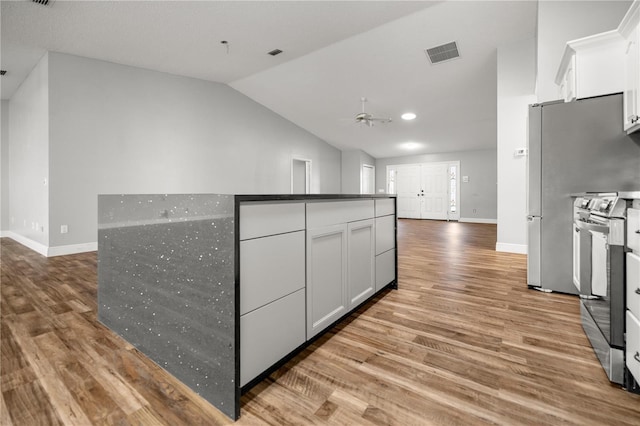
{"x":385,"y":268}
{"x":326,"y":276}
{"x":361,"y":261}
{"x":269,"y":333}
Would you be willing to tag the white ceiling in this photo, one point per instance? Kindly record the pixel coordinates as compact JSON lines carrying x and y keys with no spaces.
{"x":335,"y":52}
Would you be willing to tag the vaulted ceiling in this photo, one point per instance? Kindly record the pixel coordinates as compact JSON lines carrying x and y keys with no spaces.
{"x":334,"y":53}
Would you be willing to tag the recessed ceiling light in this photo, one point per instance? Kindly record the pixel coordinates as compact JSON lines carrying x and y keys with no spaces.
{"x":410,"y":146}
{"x":408,"y":116}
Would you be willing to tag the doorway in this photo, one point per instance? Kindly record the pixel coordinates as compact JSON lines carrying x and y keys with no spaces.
{"x":426,"y":190}
{"x":300,"y":176}
{"x":368,"y":179}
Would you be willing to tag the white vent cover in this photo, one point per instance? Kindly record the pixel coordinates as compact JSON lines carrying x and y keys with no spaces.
{"x":445,"y":52}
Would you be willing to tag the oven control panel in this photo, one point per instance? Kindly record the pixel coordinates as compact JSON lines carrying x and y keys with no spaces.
{"x":608,"y":206}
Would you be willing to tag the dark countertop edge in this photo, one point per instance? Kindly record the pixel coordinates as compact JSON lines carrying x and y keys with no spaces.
{"x":298,"y":197}
{"x":622,"y":194}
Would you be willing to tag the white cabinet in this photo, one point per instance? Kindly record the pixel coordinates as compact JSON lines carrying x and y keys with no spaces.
{"x":385,"y":268}
{"x":270,"y":268}
{"x":576,"y":256}
{"x":630,"y":30}
{"x":326,"y":276}
{"x":632,"y":284}
{"x":272,"y":284}
{"x":592,"y":66}
{"x":270,"y":333}
{"x":361,"y":283}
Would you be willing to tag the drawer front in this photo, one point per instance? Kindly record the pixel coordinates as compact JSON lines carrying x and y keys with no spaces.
{"x":633,"y":229}
{"x":632,"y":354}
{"x":385,"y":206}
{"x":633,"y":283}
{"x":260,"y":220}
{"x":335,"y":212}
{"x":270,"y":268}
{"x":269,"y":333}
{"x":385,"y":268}
{"x":385,"y":233}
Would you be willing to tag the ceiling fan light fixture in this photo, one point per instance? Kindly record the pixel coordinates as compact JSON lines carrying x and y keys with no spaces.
{"x":408,"y":116}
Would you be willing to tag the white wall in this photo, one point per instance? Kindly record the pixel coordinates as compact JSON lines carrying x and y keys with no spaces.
{"x":4,"y":168}
{"x":352,"y":162}
{"x":29,"y":159}
{"x":107,"y":128}
{"x":516,"y":81}
{"x":562,"y":21}
{"x":480,"y":193}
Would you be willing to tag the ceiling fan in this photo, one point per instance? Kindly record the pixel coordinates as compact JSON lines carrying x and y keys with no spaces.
{"x":368,"y":119}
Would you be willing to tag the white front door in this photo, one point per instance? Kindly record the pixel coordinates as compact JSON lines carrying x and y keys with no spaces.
{"x":426,"y":191}
{"x":408,"y":191}
{"x":435,"y":191}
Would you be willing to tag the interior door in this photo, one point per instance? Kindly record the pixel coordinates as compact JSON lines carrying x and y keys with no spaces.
{"x":408,"y":191}
{"x":435,"y":196}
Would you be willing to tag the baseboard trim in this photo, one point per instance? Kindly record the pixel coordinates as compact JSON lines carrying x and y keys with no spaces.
{"x":477,"y":220}
{"x":72,"y":249}
{"x":512,"y":248}
{"x":27,"y":242}
{"x":50,"y":251}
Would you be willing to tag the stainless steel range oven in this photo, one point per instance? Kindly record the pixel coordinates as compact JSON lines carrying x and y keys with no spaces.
{"x":600,"y":276}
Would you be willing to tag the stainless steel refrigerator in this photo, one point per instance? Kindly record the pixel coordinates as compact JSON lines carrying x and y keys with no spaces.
{"x":573,"y":147}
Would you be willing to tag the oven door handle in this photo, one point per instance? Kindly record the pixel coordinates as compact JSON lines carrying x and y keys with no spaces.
{"x":603,"y":229}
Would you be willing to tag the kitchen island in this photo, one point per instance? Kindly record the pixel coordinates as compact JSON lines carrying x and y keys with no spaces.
{"x":219,"y":290}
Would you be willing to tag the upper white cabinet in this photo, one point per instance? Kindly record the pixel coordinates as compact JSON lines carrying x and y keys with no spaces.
{"x":629,"y":29}
{"x":592,"y":66}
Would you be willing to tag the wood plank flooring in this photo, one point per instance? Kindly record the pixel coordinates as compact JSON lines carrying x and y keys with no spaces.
{"x":463,"y":341}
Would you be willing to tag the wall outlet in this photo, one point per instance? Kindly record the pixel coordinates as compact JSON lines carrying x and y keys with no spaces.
{"x":465,"y":179}
{"x":64,"y":229}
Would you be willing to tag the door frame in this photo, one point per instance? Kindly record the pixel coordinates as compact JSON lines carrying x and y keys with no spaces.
{"x":373,"y":174}
{"x":450,"y":215}
{"x":307,"y":173}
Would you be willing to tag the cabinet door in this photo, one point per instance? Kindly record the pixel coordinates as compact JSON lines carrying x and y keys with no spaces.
{"x":632,"y":81}
{"x":269,"y":333}
{"x":361,"y":261}
{"x":326,"y":276}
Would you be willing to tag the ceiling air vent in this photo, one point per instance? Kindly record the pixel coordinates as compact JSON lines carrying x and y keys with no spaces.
{"x":42,"y":2}
{"x":275,"y":52}
{"x":3,"y":72}
{"x":443,"y":53}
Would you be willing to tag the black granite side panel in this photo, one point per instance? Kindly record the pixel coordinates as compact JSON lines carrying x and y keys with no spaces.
{"x":168,"y":288}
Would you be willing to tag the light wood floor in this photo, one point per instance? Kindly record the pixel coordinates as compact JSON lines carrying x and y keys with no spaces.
{"x":463,"y":341}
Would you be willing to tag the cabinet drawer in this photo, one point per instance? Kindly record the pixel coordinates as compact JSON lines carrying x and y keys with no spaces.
{"x":269,"y":333}
{"x":259,"y":219}
{"x":632,"y":354}
{"x":633,"y":229}
{"x":385,"y":268}
{"x":270,"y":267}
{"x":335,"y":212}
{"x":385,"y":233}
{"x":385,"y":206}
{"x":633,"y":283}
